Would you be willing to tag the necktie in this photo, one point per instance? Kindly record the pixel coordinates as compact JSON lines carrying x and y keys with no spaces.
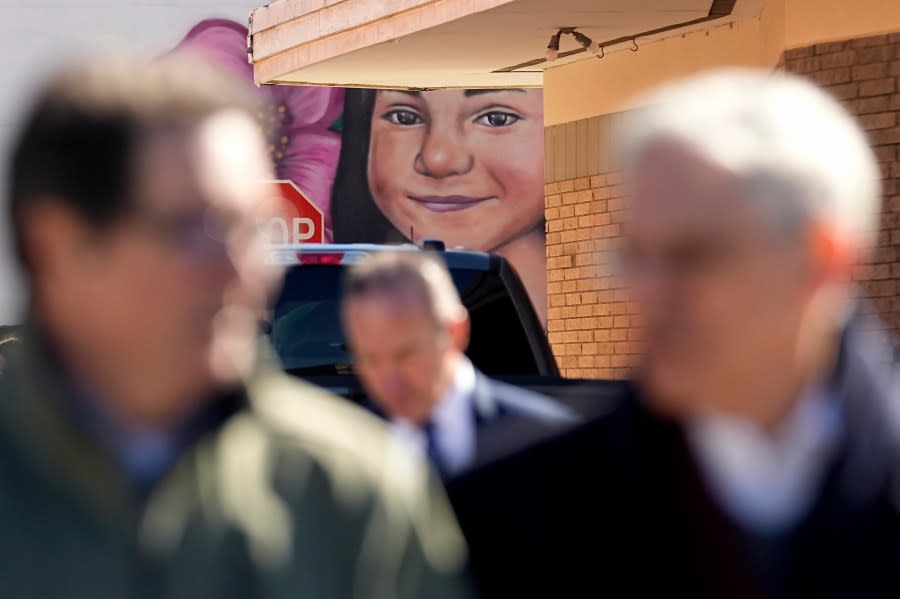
{"x":433,"y":450}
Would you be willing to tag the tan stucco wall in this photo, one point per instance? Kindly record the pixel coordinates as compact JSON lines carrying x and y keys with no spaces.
{"x":809,"y":22}
{"x":594,"y":87}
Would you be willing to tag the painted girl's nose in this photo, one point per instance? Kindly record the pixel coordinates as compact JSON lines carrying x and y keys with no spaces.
{"x":443,"y":154}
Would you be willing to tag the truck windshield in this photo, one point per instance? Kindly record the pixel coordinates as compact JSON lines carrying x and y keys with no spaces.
{"x":306,"y":328}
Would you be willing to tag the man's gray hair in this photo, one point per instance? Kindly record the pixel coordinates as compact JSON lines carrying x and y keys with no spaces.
{"x":790,"y":145}
{"x":406,"y":274}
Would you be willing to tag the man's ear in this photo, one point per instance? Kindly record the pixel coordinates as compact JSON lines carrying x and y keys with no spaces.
{"x":460,"y":331}
{"x":832,"y":255}
{"x":53,"y":236}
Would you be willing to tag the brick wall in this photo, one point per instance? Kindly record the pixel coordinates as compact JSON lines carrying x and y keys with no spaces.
{"x":864,"y":74}
{"x":593,"y":328}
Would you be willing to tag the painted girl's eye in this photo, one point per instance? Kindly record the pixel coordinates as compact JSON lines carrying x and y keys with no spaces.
{"x":497,"y":119}
{"x":405,"y":118}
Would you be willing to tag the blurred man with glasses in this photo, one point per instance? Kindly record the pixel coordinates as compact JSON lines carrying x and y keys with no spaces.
{"x":756,"y":454}
{"x":140,"y":456}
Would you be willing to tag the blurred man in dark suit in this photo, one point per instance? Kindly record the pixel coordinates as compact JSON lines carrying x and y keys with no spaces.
{"x":408,"y":332}
{"x":756,"y":455}
{"x":142,"y":454}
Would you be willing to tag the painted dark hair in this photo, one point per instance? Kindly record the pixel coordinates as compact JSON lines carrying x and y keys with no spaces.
{"x":355,"y":217}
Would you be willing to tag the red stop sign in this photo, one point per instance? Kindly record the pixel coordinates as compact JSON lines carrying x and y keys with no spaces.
{"x":301,"y":221}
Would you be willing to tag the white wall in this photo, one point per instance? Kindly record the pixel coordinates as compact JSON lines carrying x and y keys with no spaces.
{"x":35,"y":34}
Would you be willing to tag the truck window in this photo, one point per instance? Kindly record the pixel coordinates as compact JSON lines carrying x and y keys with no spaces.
{"x":306,"y":329}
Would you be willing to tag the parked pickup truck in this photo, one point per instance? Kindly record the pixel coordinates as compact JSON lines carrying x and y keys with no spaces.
{"x":507,"y":340}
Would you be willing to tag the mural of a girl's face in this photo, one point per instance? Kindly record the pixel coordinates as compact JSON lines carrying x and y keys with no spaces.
{"x":466,"y":166}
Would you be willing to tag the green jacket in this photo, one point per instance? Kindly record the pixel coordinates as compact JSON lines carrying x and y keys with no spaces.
{"x":297,"y":494}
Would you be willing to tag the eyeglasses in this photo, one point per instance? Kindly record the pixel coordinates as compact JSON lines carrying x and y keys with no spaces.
{"x":689,"y":259}
{"x":204,"y":234}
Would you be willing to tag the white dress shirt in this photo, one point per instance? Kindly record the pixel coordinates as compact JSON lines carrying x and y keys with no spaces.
{"x":767,"y":482}
{"x":453,"y":420}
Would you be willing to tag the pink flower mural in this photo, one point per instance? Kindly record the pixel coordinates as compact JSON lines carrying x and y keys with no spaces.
{"x":295,"y":120}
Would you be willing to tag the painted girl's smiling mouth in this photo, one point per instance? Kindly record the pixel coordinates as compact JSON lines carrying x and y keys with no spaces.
{"x":452,"y":203}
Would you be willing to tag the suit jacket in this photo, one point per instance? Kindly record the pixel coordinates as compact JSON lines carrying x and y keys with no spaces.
{"x":289,"y":493}
{"x":508,"y":418}
{"x":619,"y":507}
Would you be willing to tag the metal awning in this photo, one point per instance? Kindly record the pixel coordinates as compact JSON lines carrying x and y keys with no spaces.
{"x":428,"y":44}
